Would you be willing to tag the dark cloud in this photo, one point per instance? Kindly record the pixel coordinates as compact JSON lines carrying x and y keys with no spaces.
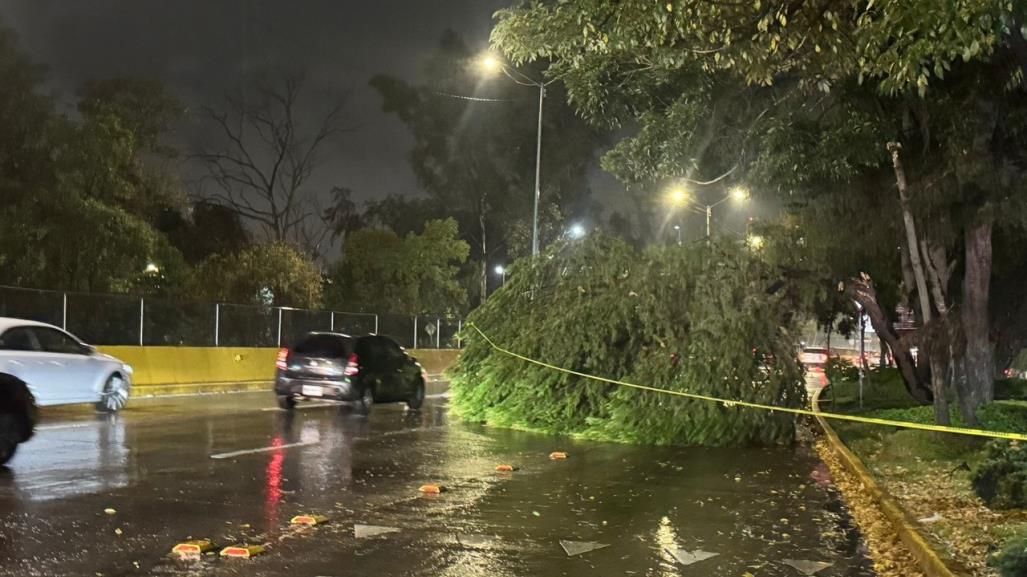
{"x":202,"y":48}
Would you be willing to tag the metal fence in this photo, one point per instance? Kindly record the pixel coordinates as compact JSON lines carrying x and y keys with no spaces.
{"x":108,"y":319}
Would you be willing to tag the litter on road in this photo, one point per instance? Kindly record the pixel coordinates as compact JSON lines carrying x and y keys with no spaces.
{"x":365,"y":531}
{"x":574,"y":548}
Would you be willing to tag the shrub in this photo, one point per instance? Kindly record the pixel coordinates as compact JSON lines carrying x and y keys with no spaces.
{"x":839,"y":370}
{"x":1008,"y":416}
{"x":1000,"y":480}
{"x":1011,"y":561}
{"x":1011,"y":389}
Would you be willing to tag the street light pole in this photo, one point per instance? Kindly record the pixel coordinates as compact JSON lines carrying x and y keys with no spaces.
{"x":677,"y":227}
{"x":491,"y":64}
{"x":709,"y":222}
{"x":538,"y":170}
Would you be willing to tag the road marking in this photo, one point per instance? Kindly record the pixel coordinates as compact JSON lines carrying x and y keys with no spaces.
{"x":299,"y":407}
{"x":261,"y":450}
{"x":56,"y":427}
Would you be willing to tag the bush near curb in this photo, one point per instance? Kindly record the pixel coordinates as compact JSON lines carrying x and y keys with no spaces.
{"x":1011,"y":561}
{"x":1000,"y":480}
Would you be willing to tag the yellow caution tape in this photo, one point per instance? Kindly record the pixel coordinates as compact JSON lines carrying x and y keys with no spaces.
{"x":730,"y":403}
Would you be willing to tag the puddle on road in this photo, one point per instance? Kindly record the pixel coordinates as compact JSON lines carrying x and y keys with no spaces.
{"x":661,"y":511}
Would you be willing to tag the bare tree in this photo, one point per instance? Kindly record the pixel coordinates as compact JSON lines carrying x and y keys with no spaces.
{"x":329,"y":225}
{"x":265,"y":157}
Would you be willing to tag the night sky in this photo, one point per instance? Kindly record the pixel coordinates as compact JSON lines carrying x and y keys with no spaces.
{"x":200,"y":49}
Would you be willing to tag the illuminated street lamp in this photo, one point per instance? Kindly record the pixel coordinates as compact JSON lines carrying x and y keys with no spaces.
{"x":576,"y":231}
{"x":501,"y":271}
{"x":151,"y":268}
{"x":490,"y":65}
{"x":756,"y":242}
{"x":677,"y":227}
{"x":678,"y":197}
{"x":739,"y":194}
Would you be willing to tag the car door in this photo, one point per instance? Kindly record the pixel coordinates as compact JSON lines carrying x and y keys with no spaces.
{"x":20,"y":356}
{"x":399,"y":368}
{"x":65,"y":367}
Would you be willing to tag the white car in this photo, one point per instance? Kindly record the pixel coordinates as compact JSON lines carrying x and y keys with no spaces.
{"x":60,"y":369}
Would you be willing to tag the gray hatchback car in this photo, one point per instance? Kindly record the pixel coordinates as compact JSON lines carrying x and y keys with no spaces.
{"x":337,"y":367}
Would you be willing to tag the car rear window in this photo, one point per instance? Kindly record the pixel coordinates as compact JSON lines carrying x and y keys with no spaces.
{"x":329,"y":346}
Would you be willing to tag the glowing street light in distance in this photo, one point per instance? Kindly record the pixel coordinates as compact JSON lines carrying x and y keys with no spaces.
{"x":739,"y":194}
{"x":490,"y":64}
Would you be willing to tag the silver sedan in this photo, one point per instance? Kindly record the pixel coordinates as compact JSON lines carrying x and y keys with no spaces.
{"x":60,"y":369}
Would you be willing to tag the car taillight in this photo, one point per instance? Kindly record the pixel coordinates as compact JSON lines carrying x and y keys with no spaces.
{"x":353,"y":366}
{"x":282,"y":360}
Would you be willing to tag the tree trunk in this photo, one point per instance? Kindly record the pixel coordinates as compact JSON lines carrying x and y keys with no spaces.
{"x":979,"y":385}
{"x":862,"y":291}
{"x":939,"y":372}
{"x":484,"y":280}
{"x":912,"y":244}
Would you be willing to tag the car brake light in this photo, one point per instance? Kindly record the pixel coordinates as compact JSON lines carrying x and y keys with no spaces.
{"x":282,"y":360}
{"x":353,"y":366}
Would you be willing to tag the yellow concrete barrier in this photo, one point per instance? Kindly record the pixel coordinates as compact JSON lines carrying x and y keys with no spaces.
{"x":176,"y":370}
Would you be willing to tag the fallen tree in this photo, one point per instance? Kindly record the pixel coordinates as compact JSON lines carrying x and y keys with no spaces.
{"x":710,"y":320}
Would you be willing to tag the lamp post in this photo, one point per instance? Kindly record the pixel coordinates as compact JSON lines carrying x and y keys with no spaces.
{"x":501,"y":271}
{"x":677,"y":227}
{"x":679,"y":197}
{"x":491,"y":64}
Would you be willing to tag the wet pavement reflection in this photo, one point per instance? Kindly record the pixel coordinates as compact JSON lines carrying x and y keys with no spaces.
{"x":110,"y":495}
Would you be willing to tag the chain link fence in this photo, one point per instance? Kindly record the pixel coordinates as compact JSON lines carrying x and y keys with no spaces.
{"x":107,"y":319}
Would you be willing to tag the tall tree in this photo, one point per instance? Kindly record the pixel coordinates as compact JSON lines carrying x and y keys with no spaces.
{"x":270,"y":273}
{"x":267,"y":153}
{"x":803,"y":98}
{"x":474,"y":152}
{"x":415,"y":274}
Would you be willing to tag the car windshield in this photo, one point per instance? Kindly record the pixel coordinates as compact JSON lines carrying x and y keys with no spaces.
{"x":329,"y":346}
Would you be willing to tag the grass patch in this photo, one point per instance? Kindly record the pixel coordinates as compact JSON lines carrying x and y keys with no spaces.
{"x":882,"y":389}
{"x":930,"y":473}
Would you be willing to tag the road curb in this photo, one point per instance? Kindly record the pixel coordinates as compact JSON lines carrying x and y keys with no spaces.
{"x":929,"y":559}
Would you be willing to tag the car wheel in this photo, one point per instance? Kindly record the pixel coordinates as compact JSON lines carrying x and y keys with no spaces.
{"x":12,"y":432}
{"x":366,"y":400}
{"x":115,"y":394}
{"x":417,"y":400}
{"x":7,"y":449}
{"x":287,"y":402}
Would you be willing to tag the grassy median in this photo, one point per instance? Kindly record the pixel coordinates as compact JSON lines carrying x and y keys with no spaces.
{"x":930,"y":473}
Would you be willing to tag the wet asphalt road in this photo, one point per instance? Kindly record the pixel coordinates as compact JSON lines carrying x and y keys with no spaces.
{"x":199,"y":467}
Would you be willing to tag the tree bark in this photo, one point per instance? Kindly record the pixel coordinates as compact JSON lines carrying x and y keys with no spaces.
{"x":939,"y":372}
{"x":979,"y":385}
{"x":912,"y":243}
{"x":862,"y":291}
